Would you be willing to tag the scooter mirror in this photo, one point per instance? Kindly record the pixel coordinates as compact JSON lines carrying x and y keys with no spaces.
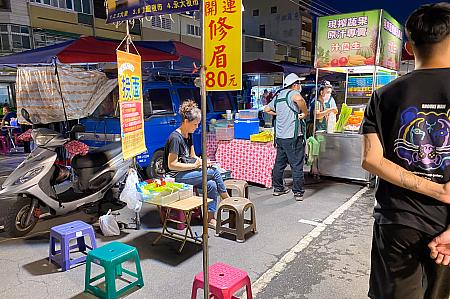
{"x":78,"y":129}
{"x":26,"y":115}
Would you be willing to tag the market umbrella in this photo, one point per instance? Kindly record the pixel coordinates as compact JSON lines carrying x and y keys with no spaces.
{"x":86,"y":49}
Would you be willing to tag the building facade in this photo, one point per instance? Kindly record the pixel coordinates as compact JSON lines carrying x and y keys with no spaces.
{"x":30,"y":24}
{"x":277,"y":31}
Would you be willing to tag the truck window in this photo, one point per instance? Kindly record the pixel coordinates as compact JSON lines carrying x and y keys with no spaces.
{"x":189,"y":94}
{"x":221,"y":101}
{"x":157,"y":101}
{"x":109,"y":107}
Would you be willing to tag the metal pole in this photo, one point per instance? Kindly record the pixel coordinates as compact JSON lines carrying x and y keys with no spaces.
{"x":204,"y":161}
{"x":346,"y":88}
{"x":128,"y":37}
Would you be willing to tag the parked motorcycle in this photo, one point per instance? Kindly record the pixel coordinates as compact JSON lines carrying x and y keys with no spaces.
{"x":42,"y":186}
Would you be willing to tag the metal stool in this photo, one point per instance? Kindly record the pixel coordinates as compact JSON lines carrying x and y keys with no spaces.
{"x":240,"y":185}
{"x":236,"y":207}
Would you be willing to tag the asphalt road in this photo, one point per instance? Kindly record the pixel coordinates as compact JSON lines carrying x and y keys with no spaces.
{"x":333,"y":259}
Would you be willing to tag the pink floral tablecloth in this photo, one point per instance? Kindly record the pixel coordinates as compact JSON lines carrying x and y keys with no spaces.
{"x":250,"y":161}
{"x":211,"y":146}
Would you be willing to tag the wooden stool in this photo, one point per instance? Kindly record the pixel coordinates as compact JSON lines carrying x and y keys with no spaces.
{"x":236,"y":207}
{"x":240,"y":185}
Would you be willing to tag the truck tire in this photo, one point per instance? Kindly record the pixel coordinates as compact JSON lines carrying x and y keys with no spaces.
{"x":16,"y":217}
{"x":156,"y":170}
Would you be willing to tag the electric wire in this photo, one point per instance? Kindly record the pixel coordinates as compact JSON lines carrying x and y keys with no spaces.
{"x":330,"y":8}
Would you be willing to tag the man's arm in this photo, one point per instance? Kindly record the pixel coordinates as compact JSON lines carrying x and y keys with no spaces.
{"x":374,"y":162}
{"x":300,"y":102}
{"x":269,"y":110}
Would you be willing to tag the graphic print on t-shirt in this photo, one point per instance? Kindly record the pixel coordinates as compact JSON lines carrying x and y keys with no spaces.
{"x":424,"y":139}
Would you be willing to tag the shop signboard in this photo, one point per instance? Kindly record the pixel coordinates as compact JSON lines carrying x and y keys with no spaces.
{"x":122,"y":10}
{"x":359,"y":86}
{"x":357,"y":39}
{"x":347,"y":39}
{"x":130,"y":104}
{"x":222,"y":48}
{"x":390,"y":42}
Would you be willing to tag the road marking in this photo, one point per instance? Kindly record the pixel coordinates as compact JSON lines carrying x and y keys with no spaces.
{"x":310,"y":222}
{"x":262,"y":282}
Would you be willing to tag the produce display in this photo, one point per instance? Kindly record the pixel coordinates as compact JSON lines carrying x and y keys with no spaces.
{"x":346,"y":112}
{"x":163,"y":192}
{"x":266,"y":136}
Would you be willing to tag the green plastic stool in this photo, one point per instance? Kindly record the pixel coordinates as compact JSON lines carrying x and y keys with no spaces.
{"x":110,"y":257}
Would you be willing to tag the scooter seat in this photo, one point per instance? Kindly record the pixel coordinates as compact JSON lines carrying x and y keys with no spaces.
{"x":97,"y":157}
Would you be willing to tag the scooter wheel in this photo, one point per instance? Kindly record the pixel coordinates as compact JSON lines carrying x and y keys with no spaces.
{"x":16,"y":218}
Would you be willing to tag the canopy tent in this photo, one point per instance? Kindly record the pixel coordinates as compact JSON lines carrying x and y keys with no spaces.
{"x":188,"y":56}
{"x":86,"y":49}
{"x":260,"y":66}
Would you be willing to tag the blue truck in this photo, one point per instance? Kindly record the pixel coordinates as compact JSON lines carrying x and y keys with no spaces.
{"x":161,"y":100}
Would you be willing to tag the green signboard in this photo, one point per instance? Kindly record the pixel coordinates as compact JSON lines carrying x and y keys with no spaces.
{"x":390,"y":43}
{"x":352,"y":39}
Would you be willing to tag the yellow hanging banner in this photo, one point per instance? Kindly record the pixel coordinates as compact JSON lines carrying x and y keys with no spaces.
{"x":222,"y":48}
{"x":131,"y":107}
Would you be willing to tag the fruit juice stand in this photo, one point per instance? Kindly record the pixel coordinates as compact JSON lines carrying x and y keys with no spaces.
{"x":366,"y":47}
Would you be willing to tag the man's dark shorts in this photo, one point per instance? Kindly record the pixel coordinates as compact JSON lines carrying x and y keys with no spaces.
{"x":401,"y":267}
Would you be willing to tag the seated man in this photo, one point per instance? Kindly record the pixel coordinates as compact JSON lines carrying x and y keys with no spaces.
{"x":6,"y":120}
{"x":7,"y":115}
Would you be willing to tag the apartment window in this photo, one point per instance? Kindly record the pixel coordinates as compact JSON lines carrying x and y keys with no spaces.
{"x":82,"y":6}
{"x":254,"y":45}
{"x":273,"y":9}
{"x":193,"y":30}
{"x":99,"y":9}
{"x":262,"y":30}
{"x":163,"y":23}
{"x":4,"y":39}
{"x":256,"y":12}
{"x":14,"y":38}
{"x":4,"y":4}
{"x":43,"y":39}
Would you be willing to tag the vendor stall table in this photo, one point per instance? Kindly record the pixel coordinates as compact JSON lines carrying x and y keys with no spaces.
{"x":187,"y":206}
{"x":340,"y":156}
{"x":249,"y":161}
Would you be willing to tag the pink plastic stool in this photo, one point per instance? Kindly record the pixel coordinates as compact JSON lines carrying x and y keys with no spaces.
{"x":224,"y":282}
{"x":4,"y":145}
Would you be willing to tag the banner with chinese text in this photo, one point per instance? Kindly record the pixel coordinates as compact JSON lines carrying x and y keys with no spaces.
{"x":222,"y":49}
{"x":347,"y":39}
{"x":130,"y":104}
{"x":122,"y":10}
{"x":391,"y":42}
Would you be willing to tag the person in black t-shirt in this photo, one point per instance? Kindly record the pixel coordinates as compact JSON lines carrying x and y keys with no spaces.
{"x":181,"y":162}
{"x":407,"y":144}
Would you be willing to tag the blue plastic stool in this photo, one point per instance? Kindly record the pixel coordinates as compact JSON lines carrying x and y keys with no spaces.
{"x":64,"y":233}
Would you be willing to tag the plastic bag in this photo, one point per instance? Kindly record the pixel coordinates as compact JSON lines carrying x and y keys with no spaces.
{"x":109,"y":225}
{"x":331,"y":123}
{"x":130,"y":194}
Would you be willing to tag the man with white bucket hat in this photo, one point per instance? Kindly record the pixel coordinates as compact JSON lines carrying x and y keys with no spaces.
{"x":290,"y":110}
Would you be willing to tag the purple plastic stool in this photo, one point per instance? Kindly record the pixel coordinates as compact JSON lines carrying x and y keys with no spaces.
{"x":224,"y":282}
{"x":64,"y":233}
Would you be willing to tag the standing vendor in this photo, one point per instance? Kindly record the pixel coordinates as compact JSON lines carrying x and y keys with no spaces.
{"x":324,"y":106}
